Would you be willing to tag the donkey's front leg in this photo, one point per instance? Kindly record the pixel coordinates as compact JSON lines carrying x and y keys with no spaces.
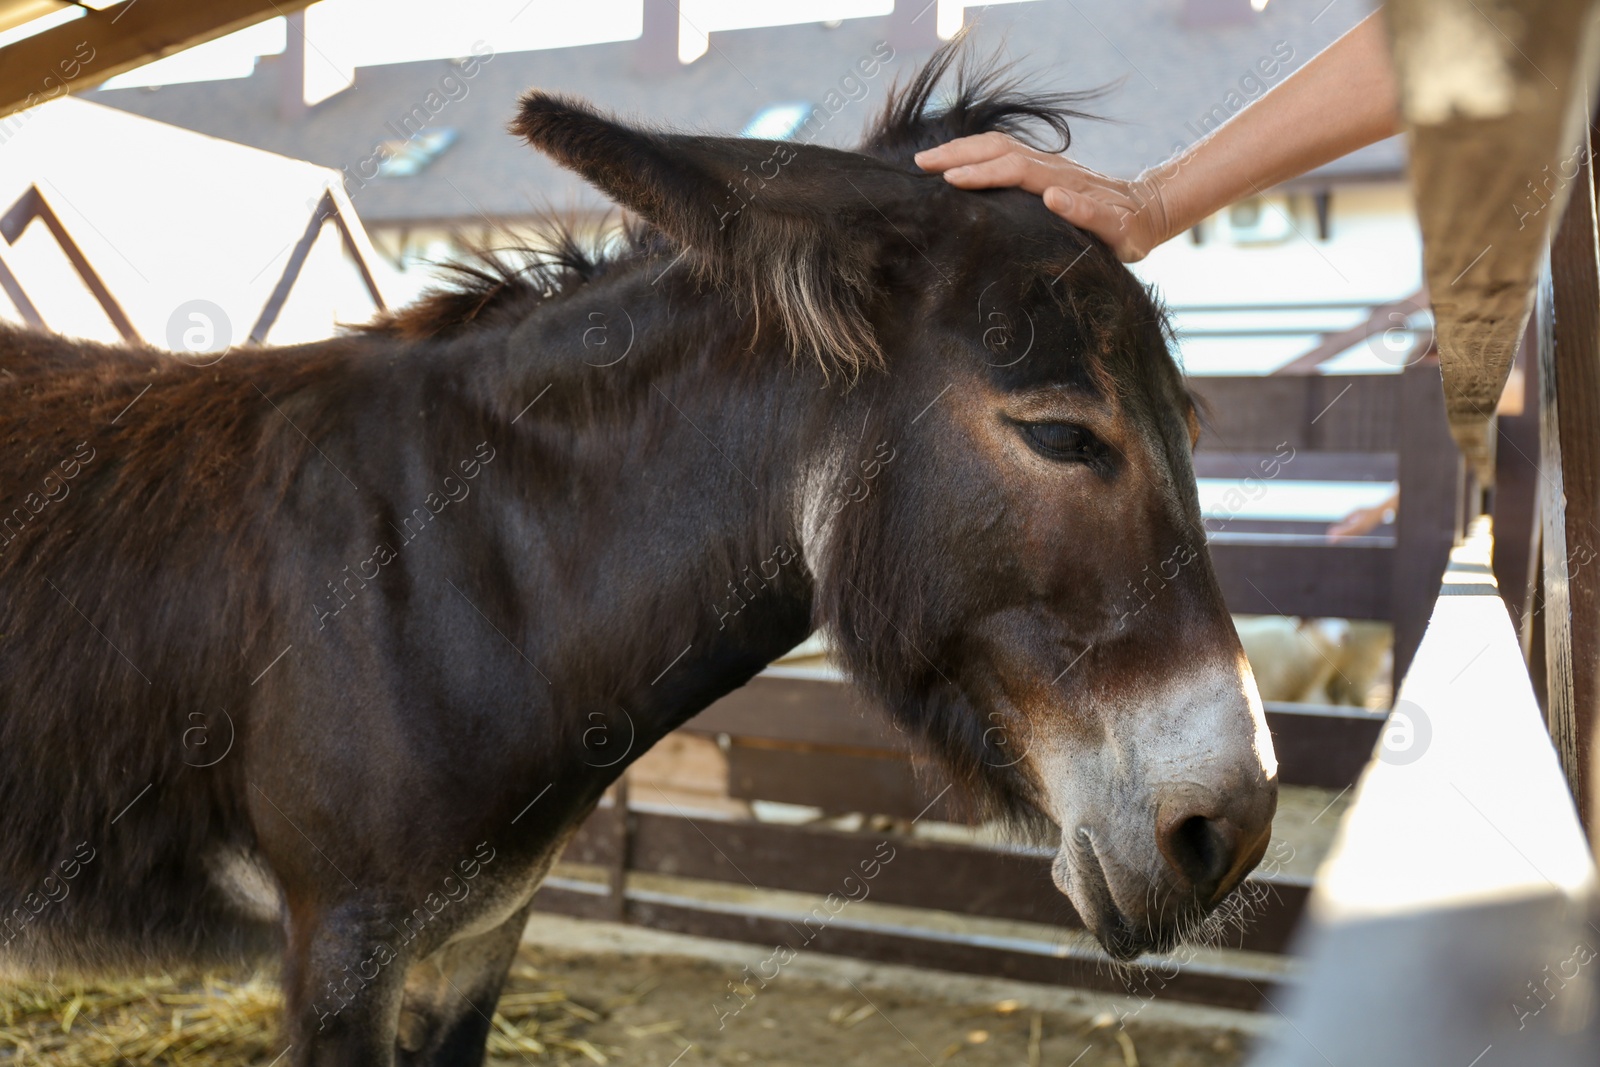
{"x":343,"y":981}
{"x":450,"y":998}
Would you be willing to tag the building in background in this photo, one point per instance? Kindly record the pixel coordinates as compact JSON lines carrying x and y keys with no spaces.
{"x":1291,"y":276}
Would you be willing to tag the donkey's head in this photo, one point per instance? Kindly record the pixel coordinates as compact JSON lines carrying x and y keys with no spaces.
{"x":1001,"y":524}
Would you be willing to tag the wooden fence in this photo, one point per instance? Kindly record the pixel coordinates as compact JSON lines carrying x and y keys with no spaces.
{"x":1455,"y":921}
{"x":1360,"y":427}
{"x":1451,"y":918}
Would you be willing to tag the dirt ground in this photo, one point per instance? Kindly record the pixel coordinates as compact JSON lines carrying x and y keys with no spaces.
{"x":655,"y":1012}
{"x":578,"y":1008}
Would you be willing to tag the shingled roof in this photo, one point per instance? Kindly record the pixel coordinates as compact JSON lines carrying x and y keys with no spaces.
{"x":1166,"y":78}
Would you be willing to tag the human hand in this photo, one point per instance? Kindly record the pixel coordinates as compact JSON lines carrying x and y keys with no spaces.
{"x":1363,"y":521}
{"x":1130,"y":216}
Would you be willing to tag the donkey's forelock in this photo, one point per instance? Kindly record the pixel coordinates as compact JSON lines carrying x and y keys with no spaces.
{"x":798,"y":255}
{"x":953,"y":95}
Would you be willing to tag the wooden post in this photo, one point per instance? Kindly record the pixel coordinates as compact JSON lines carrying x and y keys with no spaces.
{"x":1494,"y":96}
{"x":1516,"y":488}
{"x":1431,"y":490}
{"x":622,"y":839}
{"x":1569,"y":394}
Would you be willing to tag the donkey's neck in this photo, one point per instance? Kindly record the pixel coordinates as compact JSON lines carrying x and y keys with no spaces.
{"x":659,"y":460}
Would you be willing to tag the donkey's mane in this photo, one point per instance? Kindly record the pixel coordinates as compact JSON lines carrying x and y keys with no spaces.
{"x":499,"y":286}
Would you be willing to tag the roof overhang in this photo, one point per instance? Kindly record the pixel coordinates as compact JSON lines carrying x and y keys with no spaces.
{"x":110,"y":37}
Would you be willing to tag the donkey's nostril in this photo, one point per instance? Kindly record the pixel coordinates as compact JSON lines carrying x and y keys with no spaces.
{"x":1202,"y":851}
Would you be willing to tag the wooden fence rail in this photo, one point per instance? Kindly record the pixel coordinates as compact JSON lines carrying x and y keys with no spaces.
{"x":1357,"y":427}
{"x":1451,"y":918}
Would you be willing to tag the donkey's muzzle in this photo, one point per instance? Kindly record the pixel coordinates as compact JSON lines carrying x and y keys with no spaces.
{"x":1210,"y":843}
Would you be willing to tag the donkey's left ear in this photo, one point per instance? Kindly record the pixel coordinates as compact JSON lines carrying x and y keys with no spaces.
{"x":771,"y":217}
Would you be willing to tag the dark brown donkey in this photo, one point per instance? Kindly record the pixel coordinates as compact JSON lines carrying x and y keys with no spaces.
{"x":326,"y":650}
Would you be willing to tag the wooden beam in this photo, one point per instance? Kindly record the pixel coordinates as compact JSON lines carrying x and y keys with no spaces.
{"x":840,"y":782}
{"x":1517,"y":488}
{"x":1308,"y":413}
{"x":1384,"y":317}
{"x":994,"y":883}
{"x":17,"y":12}
{"x":800,"y":705}
{"x":1569,"y":390}
{"x":1459,"y":885}
{"x":1495,"y":98}
{"x":1295,"y":578}
{"x":1042,"y":958}
{"x":1430,"y":519}
{"x":797,"y":711}
{"x":1322,"y":747}
{"x":85,"y":52}
{"x":1309,"y":466}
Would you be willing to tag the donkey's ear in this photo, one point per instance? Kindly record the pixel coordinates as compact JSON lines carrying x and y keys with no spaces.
{"x":766,"y":217}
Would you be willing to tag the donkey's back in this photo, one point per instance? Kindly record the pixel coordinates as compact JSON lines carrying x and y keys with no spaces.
{"x":137,"y":497}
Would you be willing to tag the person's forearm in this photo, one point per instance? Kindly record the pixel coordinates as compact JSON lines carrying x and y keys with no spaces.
{"x":1343,"y":99}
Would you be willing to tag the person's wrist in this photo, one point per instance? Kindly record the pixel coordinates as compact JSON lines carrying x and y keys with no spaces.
{"x":1153,"y":207}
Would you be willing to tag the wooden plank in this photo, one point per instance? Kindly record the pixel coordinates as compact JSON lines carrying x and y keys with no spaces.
{"x":1249,"y":531}
{"x":1569,"y":373}
{"x":813,"y":706}
{"x":1515,"y":496}
{"x":1323,"y":747}
{"x":1460,"y":882}
{"x":1039,"y":963}
{"x":964,"y":879}
{"x":1431,"y":491}
{"x":15,"y":13}
{"x":840,"y":782}
{"x":1494,"y":95}
{"x":1326,"y":751}
{"x":85,"y":52}
{"x":1344,"y":581}
{"x":1309,"y":413}
{"x":1307,"y":466}
{"x":805,"y":710}
{"x":1035,"y":961}
{"x":1384,"y":318}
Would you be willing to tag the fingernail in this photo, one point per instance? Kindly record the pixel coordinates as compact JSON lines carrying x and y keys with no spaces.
{"x":956,"y":172}
{"x":926,"y":154}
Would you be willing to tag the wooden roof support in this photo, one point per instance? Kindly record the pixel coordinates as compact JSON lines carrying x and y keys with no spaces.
{"x":88,"y":50}
{"x":1496,"y":96}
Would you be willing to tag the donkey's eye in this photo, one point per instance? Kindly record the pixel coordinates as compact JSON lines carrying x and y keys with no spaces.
{"x":1062,"y":440}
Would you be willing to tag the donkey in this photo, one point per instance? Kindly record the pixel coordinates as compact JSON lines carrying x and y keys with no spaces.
{"x":325,"y":651}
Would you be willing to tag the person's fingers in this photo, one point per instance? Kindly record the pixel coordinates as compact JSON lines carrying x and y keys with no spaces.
{"x":1358,"y":522}
{"x":1106,"y":221}
{"x":977,"y":148}
{"x":1083,"y":197}
{"x":1011,"y":169}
